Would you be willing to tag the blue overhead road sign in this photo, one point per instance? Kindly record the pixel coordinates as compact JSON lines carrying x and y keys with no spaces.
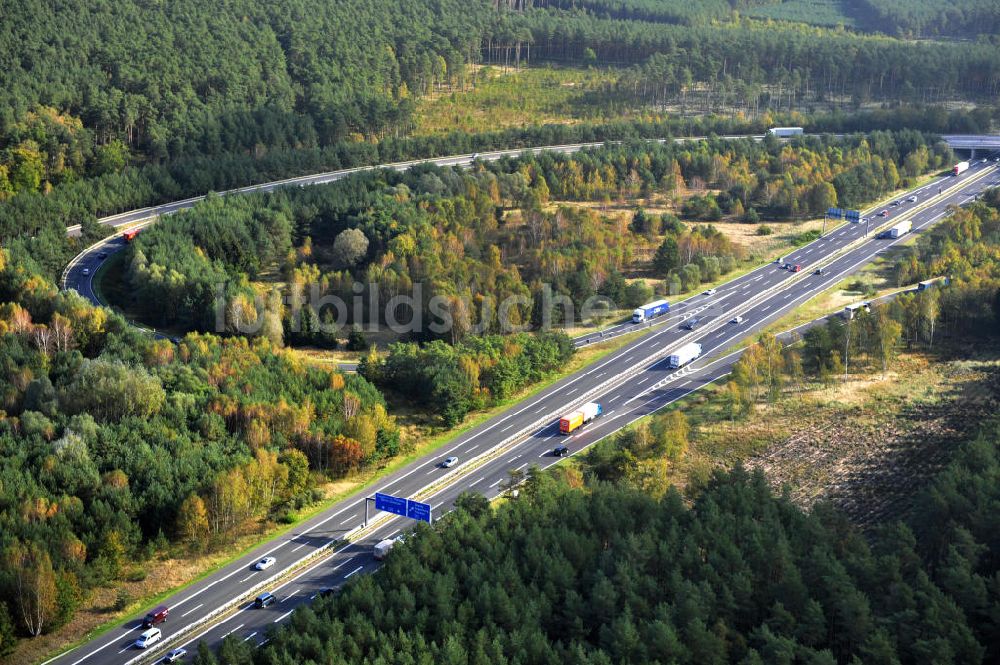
{"x":397,"y":505}
{"x":390,"y":504}
{"x":418,"y":511}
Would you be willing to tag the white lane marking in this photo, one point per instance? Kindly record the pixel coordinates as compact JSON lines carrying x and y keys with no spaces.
{"x":478,"y":481}
{"x":250,"y":636}
{"x":246,"y":578}
{"x":353,"y":571}
{"x":473,"y":448}
{"x":321,"y":522}
{"x":436,"y":506}
{"x":684,"y":384}
{"x":289,"y":595}
{"x":343,"y":562}
{"x":643,"y":381}
{"x":765,"y":308}
{"x":235,"y":629}
{"x":192,"y":610}
{"x":296,"y":549}
{"x":571,"y":392}
{"x":349,"y":519}
{"x":283,"y":616}
{"x":521,"y":467}
{"x":506,"y":428}
{"x":433,"y":469}
{"x":496,"y":483}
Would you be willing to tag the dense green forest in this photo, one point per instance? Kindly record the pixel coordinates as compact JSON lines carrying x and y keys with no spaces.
{"x":390,"y":232}
{"x":611,"y":575}
{"x":114,"y":445}
{"x":85,"y":131}
{"x":928,"y":18}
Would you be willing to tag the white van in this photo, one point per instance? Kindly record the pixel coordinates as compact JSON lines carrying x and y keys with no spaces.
{"x":148,"y":638}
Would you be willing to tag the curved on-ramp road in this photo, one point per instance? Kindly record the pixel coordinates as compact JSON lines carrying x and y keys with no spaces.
{"x":327,"y":550}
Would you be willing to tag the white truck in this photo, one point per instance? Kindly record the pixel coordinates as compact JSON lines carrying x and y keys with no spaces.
{"x":960,"y":168}
{"x":785,"y":132}
{"x":900,"y":229}
{"x":684,"y":355}
{"x":382,"y":548}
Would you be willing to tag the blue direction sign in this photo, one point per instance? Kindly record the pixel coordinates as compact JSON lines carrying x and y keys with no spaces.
{"x":852,"y":214}
{"x":836,"y":213}
{"x":397,"y":505}
{"x":418,"y":511}
{"x":390,"y":504}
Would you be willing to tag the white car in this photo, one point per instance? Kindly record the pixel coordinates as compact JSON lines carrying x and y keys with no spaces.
{"x":912,"y":199}
{"x":710,"y":292}
{"x":738,"y":320}
{"x":86,"y":271}
{"x":450,"y":462}
{"x":174,"y":655}
{"x":148,"y":638}
{"x":265,"y":563}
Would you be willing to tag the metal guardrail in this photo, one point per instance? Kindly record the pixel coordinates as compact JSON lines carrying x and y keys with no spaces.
{"x":507,"y":443}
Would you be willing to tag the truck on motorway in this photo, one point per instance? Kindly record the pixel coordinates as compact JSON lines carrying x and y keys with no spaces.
{"x":572,"y":421}
{"x":960,"y":168}
{"x":899,"y":230}
{"x":382,"y":548}
{"x":785,"y":132}
{"x":129,"y":236}
{"x":684,"y":355}
{"x":928,"y":283}
{"x":650,"y":310}
{"x":851,"y":310}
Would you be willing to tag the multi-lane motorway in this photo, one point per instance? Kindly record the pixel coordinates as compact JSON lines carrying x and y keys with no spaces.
{"x":630,"y":383}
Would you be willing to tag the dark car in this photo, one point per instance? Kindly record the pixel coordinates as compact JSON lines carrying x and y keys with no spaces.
{"x":883,"y":213}
{"x":156,"y":615}
{"x":691,"y":323}
{"x":265,"y":599}
{"x":560,"y":451}
{"x":102,"y":255}
{"x":325,"y":592}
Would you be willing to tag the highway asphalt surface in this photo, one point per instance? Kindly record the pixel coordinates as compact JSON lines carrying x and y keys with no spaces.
{"x":630,"y":383}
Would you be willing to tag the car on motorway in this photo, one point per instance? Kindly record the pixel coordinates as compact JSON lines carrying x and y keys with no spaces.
{"x":264,"y":599}
{"x":560,"y":451}
{"x":175,"y":655}
{"x":475,"y":156}
{"x":449,"y":462}
{"x":265,"y":563}
{"x":796,"y":268}
{"x":86,"y":271}
{"x":912,"y":199}
{"x":710,"y":292}
{"x":738,"y":320}
{"x":148,"y":638}
{"x":819,"y":271}
{"x":326,"y":591}
{"x":155,"y":616}
{"x":883,"y":213}
{"x":895,"y":203}
{"x":691,"y":323}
